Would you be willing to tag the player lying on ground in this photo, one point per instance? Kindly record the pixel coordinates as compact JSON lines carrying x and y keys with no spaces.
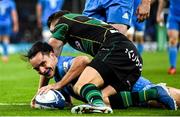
{"x":43,"y":60}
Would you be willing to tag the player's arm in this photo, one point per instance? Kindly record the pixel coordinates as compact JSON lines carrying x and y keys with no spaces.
{"x":58,"y":38}
{"x":43,"y":81}
{"x":143,"y":10}
{"x":39,"y":14}
{"x":77,"y":67}
{"x":57,"y":45}
{"x":161,"y":5}
{"x":15,"y":20}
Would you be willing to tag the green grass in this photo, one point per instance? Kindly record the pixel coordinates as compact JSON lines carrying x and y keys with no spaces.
{"x":18,"y":84}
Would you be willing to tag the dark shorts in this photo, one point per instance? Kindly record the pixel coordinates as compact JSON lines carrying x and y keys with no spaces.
{"x":118,"y":62}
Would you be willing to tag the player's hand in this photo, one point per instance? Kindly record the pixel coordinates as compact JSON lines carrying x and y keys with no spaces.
{"x":159,"y":18}
{"x":15,"y":28}
{"x":39,"y":23}
{"x":45,"y":89}
{"x":143,"y":11}
{"x":32,"y":104}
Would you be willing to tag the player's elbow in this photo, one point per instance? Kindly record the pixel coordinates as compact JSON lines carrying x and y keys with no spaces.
{"x":83,"y":60}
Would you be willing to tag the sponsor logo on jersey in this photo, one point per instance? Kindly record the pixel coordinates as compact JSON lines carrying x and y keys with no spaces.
{"x":125,"y":16}
{"x":134,"y":58}
{"x":78,"y":45}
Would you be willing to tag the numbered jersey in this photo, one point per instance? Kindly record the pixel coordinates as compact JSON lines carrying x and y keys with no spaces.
{"x":6,"y":8}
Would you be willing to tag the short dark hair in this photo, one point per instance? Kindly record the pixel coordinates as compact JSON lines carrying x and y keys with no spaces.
{"x":56,"y":15}
{"x":38,"y":46}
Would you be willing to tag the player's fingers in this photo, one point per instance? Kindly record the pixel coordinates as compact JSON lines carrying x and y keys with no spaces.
{"x":140,"y":18}
{"x":32,"y":104}
{"x":47,"y":89}
{"x":41,"y":90}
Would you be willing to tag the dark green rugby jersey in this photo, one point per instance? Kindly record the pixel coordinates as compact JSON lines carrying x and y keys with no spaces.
{"x":82,"y":33}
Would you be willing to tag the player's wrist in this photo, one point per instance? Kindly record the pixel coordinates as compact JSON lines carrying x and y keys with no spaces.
{"x":146,"y":1}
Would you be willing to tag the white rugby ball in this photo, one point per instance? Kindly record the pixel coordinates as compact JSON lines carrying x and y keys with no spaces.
{"x":51,"y":100}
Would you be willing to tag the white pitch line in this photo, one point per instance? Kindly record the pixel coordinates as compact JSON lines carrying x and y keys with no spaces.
{"x":11,"y":104}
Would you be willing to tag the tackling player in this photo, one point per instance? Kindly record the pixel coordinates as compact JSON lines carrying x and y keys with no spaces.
{"x":8,"y":24}
{"x":43,"y":60}
{"x":173,"y":25}
{"x":111,"y":50}
{"x":44,"y":9}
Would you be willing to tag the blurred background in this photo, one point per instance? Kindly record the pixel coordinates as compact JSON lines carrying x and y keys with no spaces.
{"x":29,"y":31}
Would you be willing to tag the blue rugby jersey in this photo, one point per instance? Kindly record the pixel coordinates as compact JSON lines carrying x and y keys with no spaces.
{"x":174,"y":7}
{"x":49,"y":7}
{"x":6,"y":8}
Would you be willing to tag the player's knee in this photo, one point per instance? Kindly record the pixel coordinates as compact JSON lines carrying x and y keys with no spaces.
{"x":173,"y":41}
{"x":77,"y":88}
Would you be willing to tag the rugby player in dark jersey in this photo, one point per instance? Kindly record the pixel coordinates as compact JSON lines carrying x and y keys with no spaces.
{"x":116,"y":61}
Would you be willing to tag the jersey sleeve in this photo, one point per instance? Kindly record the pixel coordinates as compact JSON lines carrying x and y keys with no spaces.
{"x":40,"y":2}
{"x":13,"y":5}
{"x":64,"y":64}
{"x":60,"y":31}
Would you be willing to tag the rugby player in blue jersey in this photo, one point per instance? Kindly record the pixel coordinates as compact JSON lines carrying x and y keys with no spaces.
{"x":44,"y":9}
{"x":8,"y":24}
{"x":173,"y":26}
{"x":136,"y":30}
{"x":67,"y":70}
{"x":118,"y":13}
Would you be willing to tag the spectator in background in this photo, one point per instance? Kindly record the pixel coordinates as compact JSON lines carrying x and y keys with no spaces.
{"x":173,"y":26}
{"x":44,"y":9}
{"x":116,"y":12}
{"x":8,"y":23}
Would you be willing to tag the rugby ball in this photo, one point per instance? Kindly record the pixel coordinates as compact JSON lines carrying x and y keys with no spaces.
{"x":53,"y":99}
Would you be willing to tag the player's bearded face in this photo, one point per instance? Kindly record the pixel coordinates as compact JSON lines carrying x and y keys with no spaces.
{"x":44,"y":64}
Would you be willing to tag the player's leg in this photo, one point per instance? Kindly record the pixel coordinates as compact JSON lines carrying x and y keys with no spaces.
{"x":126,"y":99}
{"x":5,"y":44}
{"x":175,"y":93}
{"x":118,"y":13}
{"x":139,"y":36}
{"x":141,"y":84}
{"x":143,"y":92}
{"x":87,"y":87}
{"x":173,"y":40}
{"x":5,"y":39}
{"x":173,"y":35}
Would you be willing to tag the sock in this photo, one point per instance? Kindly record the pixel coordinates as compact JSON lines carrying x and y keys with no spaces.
{"x":5,"y":49}
{"x":140,"y":48}
{"x":173,"y":56}
{"x":126,"y":99}
{"x":92,"y":94}
{"x":145,"y":95}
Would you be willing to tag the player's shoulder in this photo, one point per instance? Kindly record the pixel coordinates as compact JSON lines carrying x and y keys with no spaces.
{"x":65,"y":58}
{"x":72,"y":15}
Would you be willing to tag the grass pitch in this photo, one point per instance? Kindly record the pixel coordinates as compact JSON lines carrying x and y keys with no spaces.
{"x":18,"y":84}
